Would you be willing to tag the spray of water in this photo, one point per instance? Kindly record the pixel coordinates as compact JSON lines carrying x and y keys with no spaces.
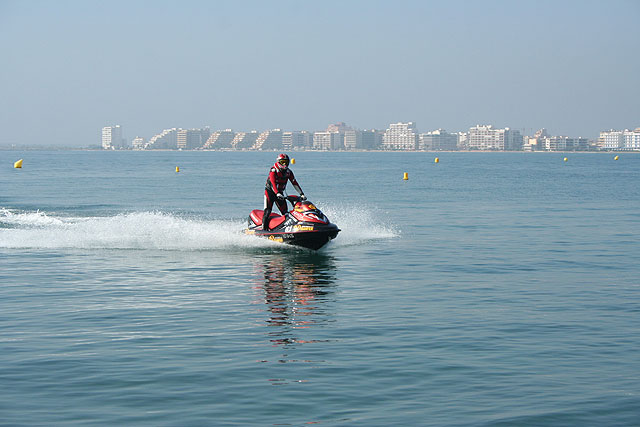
{"x":160,"y":230}
{"x":359,"y":225}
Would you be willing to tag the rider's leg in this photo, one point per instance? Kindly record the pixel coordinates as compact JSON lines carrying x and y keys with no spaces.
{"x":268,"y":205}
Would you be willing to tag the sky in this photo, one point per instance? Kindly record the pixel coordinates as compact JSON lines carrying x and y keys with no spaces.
{"x":70,"y":67}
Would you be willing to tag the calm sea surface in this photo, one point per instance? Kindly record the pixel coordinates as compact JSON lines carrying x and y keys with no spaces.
{"x":488,"y":289}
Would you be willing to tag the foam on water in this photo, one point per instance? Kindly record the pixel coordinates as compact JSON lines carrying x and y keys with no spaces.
{"x":158,"y":230}
{"x":34,"y":219}
{"x":359,"y":225}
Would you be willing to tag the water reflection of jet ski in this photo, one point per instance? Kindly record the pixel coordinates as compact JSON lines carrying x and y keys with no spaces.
{"x":304,"y":225}
{"x":299,"y":291}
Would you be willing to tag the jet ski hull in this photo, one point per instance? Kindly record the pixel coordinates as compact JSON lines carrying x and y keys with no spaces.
{"x":312,"y":239}
{"x":304,"y":226}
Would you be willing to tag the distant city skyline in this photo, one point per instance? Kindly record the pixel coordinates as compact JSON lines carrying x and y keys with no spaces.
{"x":242,"y":135}
{"x":401,"y":136}
{"x":71,"y":67}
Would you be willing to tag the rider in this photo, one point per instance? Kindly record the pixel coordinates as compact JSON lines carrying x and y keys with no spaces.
{"x":279,"y":174}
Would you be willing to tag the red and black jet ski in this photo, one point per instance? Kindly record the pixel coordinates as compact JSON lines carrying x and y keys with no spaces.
{"x":304,"y":225}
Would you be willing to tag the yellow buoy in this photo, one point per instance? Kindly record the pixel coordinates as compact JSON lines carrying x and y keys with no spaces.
{"x":615,"y":158}
{"x":18,"y":164}
{"x":293,"y":161}
{"x":437,"y":160}
{"x":177,"y":168}
{"x":406,"y":176}
{"x":565,"y":159}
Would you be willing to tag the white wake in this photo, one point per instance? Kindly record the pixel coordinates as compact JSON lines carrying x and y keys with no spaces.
{"x":160,"y":230}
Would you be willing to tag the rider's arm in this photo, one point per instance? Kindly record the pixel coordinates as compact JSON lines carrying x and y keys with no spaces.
{"x":295,"y":183}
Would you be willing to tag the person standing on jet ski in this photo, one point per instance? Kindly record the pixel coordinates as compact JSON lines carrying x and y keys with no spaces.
{"x":279,"y":174}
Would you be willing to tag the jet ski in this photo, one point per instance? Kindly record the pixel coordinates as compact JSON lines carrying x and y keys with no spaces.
{"x":304,"y":225}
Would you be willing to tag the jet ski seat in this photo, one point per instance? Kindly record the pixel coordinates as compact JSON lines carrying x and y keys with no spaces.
{"x":274,"y":219}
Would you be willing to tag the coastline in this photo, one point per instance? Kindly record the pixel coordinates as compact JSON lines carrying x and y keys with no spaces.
{"x":298,"y":150}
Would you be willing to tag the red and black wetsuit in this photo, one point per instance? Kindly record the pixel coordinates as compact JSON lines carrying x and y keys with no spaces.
{"x":276,"y":183}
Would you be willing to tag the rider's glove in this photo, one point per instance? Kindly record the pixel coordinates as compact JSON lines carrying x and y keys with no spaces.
{"x":303,"y":197}
{"x":280,"y":196}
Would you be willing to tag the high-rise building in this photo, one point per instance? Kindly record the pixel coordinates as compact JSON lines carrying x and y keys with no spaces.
{"x":303,"y":139}
{"x":269,"y":140}
{"x":328,"y":141}
{"x":324,"y":140}
{"x":190,"y":139}
{"x":438,"y":140}
{"x":463,"y":141}
{"x":353,"y":139}
{"x":287,"y":140}
{"x":372,"y":139}
{"x":400,"y":136}
{"x":112,"y":138}
{"x":165,"y":140}
{"x":296,"y":139}
{"x":244,"y":140}
{"x":485,"y":137}
{"x":220,"y":139}
{"x":339,"y":129}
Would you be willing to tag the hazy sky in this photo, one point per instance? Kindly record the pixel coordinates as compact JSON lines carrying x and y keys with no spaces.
{"x":68,"y":68}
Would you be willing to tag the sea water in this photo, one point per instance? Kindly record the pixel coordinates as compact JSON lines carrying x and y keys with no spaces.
{"x":487,"y":289}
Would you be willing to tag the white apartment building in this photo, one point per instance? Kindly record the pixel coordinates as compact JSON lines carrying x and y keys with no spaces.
{"x":297,"y":139}
{"x":620,"y":139}
{"x":220,"y":139}
{"x":632,"y":140}
{"x":167,"y":140}
{"x":400,"y":136}
{"x":287,"y":141}
{"x":269,"y":140}
{"x":138,"y":143}
{"x":485,"y":137}
{"x":328,"y":141}
{"x":244,"y":140}
{"x":340,"y":129}
{"x":352,"y":139}
{"x":542,"y":141}
{"x":612,"y":140}
{"x":563,"y":143}
{"x":438,"y":140}
{"x":190,"y":139}
{"x":112,"y":138}
{"x":463,"y":138}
